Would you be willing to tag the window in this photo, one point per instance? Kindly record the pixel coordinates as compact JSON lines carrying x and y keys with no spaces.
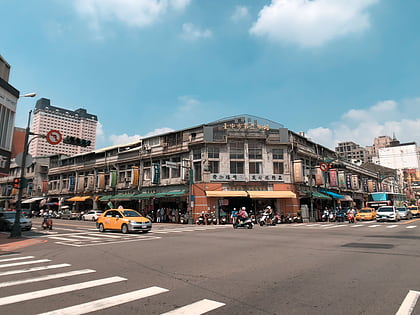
{"x":254,"y":151}
{"x":278,"y":167}
{"x":236,"y":150}
{"x":213,"y":153}
{"x":197,"y":171}
{"x":196,"y":154}
{"x":278,"y":154}
{"x":237,"y":167}
{"x":255,"y":167}
{"x":214,"y":166}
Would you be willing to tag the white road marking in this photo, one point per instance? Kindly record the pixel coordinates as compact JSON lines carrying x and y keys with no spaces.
{"x":391,"y":226}
{"x":16,"y":258}
{"x":333,"y":226}
{"x":106,"y":235}
{"x":409,"y":303}
{"x":200,"y":307}
{"x":86,"y":237}
{"x":58,"y":290}
{"x":313,"y":224}
{"x":374,"y":225}
{"x":48,"y":277}
{"x":13,"y":272}
{"x":411,"y":226}
{"x":356,"y":226}
{"x":69,"y":243}
{"x":107,"y":302}
{"x":25,"y":263}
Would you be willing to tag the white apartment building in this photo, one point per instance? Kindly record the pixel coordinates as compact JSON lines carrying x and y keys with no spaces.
{"x":400,"y":156}
{"x":76,"y":123}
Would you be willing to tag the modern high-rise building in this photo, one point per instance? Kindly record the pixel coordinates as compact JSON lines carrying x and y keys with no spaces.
{"x":8,"y":101}
{"x":78,"y":123}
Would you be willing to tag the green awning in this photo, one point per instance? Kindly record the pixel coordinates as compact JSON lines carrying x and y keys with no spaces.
{"x":144,"y":196}
{"x":105,"y":198}
{"x":170,"y":194}
{"x":318,"y":195}
{"x":122,"y":197}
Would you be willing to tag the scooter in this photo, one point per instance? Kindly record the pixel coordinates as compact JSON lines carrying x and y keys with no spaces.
{"x":244,"y":223}
{"x":350,"y":217}
{"x":47,"y":224}
{"x":200,"y":220}
{"x":223,"y":220}
{"x":265,"y":220}
{"x":183,"y":219}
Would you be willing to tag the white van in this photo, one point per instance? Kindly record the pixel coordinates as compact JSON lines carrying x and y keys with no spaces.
{"x":387,"y":213}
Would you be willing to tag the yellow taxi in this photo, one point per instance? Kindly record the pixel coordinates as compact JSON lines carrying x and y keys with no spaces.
{"x":124,"y":220}
{"x":366,"y":214}
{"x":414,"y":210}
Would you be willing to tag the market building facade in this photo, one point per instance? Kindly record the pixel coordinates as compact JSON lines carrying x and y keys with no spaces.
{"x":234,"y":162}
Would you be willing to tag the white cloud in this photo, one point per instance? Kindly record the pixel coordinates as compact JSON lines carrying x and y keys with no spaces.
{"x":134,"y":13}
{"x":188,"y":103}
{"x":240,"y":13}
{"x":123,"y":139}
{"x":192,"y":32}
{"x":312,"y":23}
{"x":384,"y":118}
{"x":158,"y":131}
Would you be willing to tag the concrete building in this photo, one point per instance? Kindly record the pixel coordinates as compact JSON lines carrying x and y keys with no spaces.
{"x":237,"y":161}
{"x":76,"y":123}
{"x":8,"y":102}
{"x":352,"y":152}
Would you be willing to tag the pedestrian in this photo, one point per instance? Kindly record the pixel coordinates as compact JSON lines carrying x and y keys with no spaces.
{"x":234,"y":215}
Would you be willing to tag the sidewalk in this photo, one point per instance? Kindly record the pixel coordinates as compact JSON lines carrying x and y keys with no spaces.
{"x":10,"y":244}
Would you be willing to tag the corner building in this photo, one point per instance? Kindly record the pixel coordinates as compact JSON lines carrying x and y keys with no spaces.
{"x":234,"y":162}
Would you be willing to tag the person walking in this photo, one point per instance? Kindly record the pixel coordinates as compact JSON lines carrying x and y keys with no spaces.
{"x":234,"y":215}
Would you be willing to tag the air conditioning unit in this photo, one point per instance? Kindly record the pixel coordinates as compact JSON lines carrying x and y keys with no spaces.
{"x":165,"y":144}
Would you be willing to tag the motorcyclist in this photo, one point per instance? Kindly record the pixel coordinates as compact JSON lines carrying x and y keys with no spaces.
{"x":47,"y":222}
{"x":242,"y":215}
{"x":268,"y":212}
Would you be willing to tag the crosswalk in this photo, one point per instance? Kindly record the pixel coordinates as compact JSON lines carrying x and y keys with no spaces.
{"x":359,"y":225}
{"x":22,"y":276}
{"x":92,"y":237}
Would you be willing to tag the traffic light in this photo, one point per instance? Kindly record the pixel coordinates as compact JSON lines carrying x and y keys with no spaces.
{"x":16,"y":183}
{"x":76,"y":141}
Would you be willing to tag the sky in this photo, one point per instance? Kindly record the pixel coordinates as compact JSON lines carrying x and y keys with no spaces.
{"x":338,"y":70}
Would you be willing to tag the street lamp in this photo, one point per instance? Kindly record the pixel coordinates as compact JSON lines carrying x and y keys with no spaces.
{"x":16,"y":231}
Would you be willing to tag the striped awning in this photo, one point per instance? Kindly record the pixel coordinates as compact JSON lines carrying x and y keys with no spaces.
{"x":271,"y":194}
{"x":144,"y":196}
{"x":170,"y":194}
{"x":123,"y":197}
{"x":317,"y":195}
{"x":79,"y":198}
{"x":332,"y":194}
{"x":226,"y":193}
{"x":105,"y":198}
{"x":31,"y":200}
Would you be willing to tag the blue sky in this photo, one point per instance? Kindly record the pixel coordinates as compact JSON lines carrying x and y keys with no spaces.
{"x":339,"y":70}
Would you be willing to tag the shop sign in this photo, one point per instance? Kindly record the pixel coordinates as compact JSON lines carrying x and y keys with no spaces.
{"x":245,"y":126}
{"x":251,"y":178}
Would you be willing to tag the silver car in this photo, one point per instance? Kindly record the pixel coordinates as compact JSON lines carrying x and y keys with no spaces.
{"x":405,"y":213}
{"x":387,"y":213}
{"x":92,"y":215}
{"x":7,"y":220}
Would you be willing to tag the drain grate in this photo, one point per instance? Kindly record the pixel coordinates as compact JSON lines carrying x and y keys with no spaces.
{"x":368,"y":245}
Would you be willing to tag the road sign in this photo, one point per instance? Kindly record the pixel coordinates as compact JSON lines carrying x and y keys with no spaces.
{"x":324,"y":166}
{"x":19,"y":160}
{"x":54,"y":137}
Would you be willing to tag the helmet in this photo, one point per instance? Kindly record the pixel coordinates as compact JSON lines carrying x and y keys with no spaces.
{"x":268,"y":207}
{"x":243,"y":208}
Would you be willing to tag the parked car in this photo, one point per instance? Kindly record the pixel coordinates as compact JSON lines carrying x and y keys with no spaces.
{"x":405,"y":213}
{"x":69,"y":215}
{"x":387,"y":213}
{"x":366,"y":214}
{"x":7,"y":220}
{"x":124,"y":220}
{"x":414,"y":210}
{"x":92,"y":215}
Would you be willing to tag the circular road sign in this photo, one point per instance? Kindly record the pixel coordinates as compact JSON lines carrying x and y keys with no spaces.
{"x":323,"y":166}
{"x":54,"y":137}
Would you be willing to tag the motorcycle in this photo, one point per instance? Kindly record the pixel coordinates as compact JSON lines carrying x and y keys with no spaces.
{"x":183,"y":219}
{"x":200,"y":220}
{"x":47,"y":224}
{"x":265,"y":220}
{"x":223,"y":220}
{"x":244,"y":223}
{"x":350,"y":217}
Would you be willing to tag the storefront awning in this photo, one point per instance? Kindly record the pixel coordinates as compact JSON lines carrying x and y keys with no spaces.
{"x":317,"y":195}
{"x":105,"y":198}
{"x":230,"y":193}
{"x":170,"y":194}
{"x":271,"y":194}
{"x":31,"y":200}
{"x":79,"y":198}
{"x":123,"y":197}
{"x":144,"y":196}
{"x":347,"y":198}
{"x":334,"y":195}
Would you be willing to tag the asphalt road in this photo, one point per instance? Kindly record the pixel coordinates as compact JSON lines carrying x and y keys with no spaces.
{"x":363,"y":268}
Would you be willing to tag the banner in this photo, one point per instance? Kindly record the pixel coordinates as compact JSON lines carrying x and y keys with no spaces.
{"x":348,"y":181}
{"x":333,"y":177}
{"x":101,"y":180}
{"x":72,"y":183}
{"x":134,"y":176}
{"x":370,"y":185}
{"x":90,"y":182}
{"x":318,"y":176}
{"x":297,"y":171}
{"x":355,"y":182}
{"x":80,"y":184}
{"x":341,"y":179}
{"x":44,"y":186}
{"x":365,"y":185}
{"x":113,"y":178}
